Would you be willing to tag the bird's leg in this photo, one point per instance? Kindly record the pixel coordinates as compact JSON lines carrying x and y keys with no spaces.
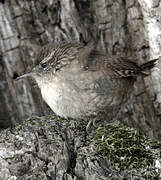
{"x":92,"y":122}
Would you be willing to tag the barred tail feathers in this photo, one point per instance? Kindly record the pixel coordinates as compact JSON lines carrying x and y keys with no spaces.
{"x":148,"y":65}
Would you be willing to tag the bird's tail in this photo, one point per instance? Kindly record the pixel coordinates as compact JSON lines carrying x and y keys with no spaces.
{"x":148,"y":65}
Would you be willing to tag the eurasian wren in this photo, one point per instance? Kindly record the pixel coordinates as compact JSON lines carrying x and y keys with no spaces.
{"x":77,"y":81}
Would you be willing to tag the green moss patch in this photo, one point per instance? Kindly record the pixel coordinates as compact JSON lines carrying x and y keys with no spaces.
{"x":126,"y":149}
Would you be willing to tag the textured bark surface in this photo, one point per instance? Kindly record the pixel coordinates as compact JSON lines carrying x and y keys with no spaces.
{"x":51,"y":148}
{"x":124,"y":25}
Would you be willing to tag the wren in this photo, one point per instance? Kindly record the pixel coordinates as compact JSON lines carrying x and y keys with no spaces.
{"x":77,"y":81}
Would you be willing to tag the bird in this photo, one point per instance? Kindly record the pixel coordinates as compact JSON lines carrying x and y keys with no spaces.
{"x":79,"y":82}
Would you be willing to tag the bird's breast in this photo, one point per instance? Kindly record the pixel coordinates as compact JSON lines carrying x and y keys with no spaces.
{"x":79,"y":94}
{"x":63,"y":99}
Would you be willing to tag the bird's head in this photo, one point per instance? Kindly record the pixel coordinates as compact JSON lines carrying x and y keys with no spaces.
{"x":51,"y":59}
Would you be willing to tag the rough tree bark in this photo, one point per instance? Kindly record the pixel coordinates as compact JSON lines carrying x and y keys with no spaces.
{"x":51,"y":148}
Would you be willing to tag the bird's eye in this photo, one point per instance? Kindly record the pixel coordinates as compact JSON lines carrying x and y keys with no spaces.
{"x":44,"y":65}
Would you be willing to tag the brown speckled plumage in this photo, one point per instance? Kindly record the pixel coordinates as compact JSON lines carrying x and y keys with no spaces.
{"x":77,"y":81}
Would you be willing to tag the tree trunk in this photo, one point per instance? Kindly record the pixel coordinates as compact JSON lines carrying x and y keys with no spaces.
{"x":51,"y":148}
{"x":127,"y":27}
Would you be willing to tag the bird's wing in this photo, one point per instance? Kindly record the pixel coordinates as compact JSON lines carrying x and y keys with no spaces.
{"x":117,"y":66}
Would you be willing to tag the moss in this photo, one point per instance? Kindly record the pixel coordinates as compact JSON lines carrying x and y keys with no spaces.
{"x":53,"y":123}
{"x":126,"y":149}
{"x":121,"y":152}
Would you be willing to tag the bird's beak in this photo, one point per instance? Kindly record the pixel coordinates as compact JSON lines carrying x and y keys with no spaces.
{"x":23,"y":75}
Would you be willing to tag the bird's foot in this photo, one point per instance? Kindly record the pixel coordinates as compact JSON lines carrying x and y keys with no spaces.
{"x":93,"y":123}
